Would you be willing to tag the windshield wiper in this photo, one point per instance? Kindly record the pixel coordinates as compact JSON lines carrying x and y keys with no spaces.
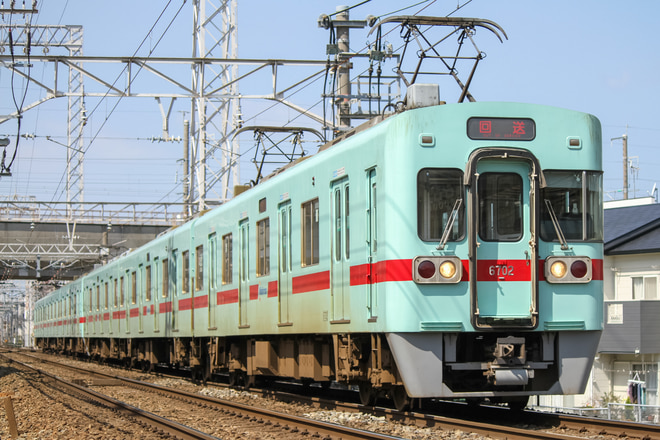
{"x":555,"y":223}
{"x":450,"y":224}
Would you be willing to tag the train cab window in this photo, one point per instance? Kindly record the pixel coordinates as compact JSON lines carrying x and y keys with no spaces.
{"x":310,"y":233}
{"x":227,"y":267}
{"x":185,"y":255}
{"x":500,"y":207}
{"x":575,"y":199}
{"x":263,"y":247}
{"x":438,"y":190}
{"x":199,"y":267}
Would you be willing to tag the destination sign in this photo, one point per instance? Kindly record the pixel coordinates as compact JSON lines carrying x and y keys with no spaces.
{"x":502,"y":129}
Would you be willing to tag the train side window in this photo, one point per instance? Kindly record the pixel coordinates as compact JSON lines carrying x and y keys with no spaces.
{"x":438,"y":189}
{"x":263,"y":247}
{"x":199,"y":267}
{"x":165,"y":279}
{"x":185,"y":255}
{"x":133,"y":288}
{"x":227,"y":268}
{"x":575,"y":197}
{"x":310,"y":233}
{"x":121,"y":291}
{"x":147,"y":277}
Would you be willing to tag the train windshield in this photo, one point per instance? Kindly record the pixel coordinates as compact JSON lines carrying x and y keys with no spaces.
{"x":437,"y":192}
{"x":576,"y":199}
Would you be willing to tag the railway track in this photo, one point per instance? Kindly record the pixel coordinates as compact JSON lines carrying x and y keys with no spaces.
{"x":485,"y":421}
{"x":241,"y":418}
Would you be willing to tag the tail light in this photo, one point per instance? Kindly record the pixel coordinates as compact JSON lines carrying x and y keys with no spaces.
{"x":568,"y":269}
{"x":434,"y":270}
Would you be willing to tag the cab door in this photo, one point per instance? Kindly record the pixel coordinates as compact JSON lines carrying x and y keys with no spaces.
{"x":503,"y":242}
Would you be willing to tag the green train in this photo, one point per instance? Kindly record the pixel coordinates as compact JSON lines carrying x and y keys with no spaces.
{"x":445,"y":251}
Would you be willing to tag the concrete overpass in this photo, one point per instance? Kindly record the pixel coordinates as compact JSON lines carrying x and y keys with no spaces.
{"x":57,"y":241}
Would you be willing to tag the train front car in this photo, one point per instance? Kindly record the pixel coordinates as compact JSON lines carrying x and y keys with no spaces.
{"x":499,"y":207}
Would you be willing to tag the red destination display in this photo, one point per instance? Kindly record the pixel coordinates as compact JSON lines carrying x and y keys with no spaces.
{"x":506,"y":129}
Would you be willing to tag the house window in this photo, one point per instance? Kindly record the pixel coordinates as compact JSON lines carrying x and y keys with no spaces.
{"x":636,"y":286}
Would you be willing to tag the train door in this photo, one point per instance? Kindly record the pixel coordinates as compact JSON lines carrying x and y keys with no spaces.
{"x":212,"y":289}
{"x":503,"y":241}
{"x":174,"y":288}
{"x":284,"y":262}
{"x":243,"y":272}
{"x":340,"y":248}
{"x":372,"y":244}
{"x":139,"y":297}
{"x":155,"y":292}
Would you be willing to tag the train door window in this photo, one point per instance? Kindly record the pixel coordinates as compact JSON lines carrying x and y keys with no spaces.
{"x":147,"y":280}
{"x":98,"y":297}
{"x":263,"y":247}
{"x":438,"y":191}
{"x":121,"y":291}
{"x":115,"y":292}
{"x":165,"y":285}
{"x":310,"y":233}
{"x":575,"y":197}
{"x":347,"y":229}
{"x":500,"y":207}
{"x":133,"y":288}
{"x":199,"y":267}
{"x":213,"y":259}
{"x":91,"y":306}
{"x":227,"y":268}
{"x":186,"y":271}
{"x":106,"y":295}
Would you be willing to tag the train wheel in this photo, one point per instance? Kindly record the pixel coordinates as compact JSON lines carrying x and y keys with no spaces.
{"x":146,"y":366}
{"x":367,"y":393}
{"x":517,"y":403}
{"x":400,"y":398}
{"x":235,"y":378}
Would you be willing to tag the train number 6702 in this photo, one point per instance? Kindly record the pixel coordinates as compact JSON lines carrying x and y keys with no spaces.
{"x":500,"y":270}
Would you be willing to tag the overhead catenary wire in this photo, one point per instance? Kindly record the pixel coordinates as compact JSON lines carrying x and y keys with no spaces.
{"x":105,"y":120}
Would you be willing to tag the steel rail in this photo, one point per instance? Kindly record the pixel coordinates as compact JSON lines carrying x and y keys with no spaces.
{"x":144,"y":417}
{"x":287,"y":422}
{"x":494,"y":430}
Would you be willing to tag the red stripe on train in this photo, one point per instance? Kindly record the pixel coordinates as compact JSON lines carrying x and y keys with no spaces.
{"x":311,"y":282}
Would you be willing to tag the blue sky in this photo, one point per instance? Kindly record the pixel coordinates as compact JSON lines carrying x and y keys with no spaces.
{"x":598,"y":57}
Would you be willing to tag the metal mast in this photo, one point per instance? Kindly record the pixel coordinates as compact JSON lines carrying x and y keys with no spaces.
{"x":215,"y":103}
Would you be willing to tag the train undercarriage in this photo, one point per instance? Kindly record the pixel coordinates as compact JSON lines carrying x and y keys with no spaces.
{"x":503,"y":367}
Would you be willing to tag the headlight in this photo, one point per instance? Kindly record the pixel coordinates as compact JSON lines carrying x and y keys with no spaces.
{"x":447,"y":269}
{"x":433,"y":269}
{"x":557,"y":269}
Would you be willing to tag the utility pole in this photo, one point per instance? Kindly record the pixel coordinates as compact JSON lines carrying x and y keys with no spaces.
{"x":625,"y":163}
